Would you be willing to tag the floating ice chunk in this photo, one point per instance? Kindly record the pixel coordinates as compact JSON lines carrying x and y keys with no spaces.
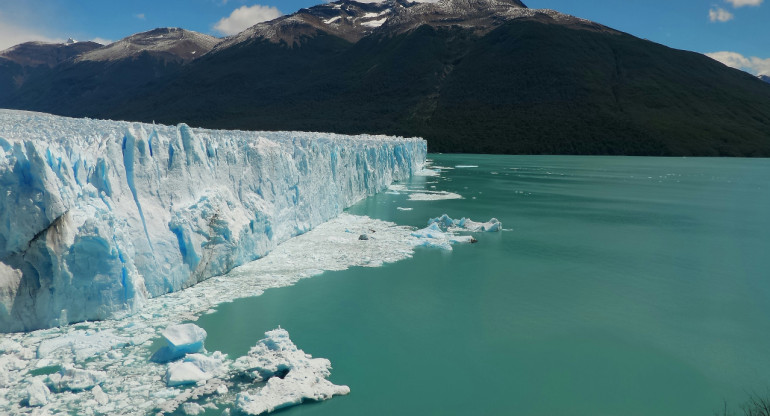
{"x":440,"y":232}
{"x":431,"y":231}
{"x":192,"y":409}
{"x":182,"y":339}
{"x":493,"y":225}
{"x":37,"y":393}
{"x":466,"y":224}
{"x":292,"y":376}
{"x":462,"y":239}
{"x":100,"y":396}
{"x":213,"y":364}
{"x":195,"y":368}
{"x":466,"y":166}
{"x":404,"y":209}
{"x":434,"y":196}
{"x":183,"y":373}
{"x":75,"y":379}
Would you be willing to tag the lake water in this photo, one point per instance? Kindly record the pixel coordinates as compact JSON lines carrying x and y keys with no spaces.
{"x":625,"y":286}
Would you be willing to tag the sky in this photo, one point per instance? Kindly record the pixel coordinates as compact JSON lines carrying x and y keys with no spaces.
{"x":735,"y":32}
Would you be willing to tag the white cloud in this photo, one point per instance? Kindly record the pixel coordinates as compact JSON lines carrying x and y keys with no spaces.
{"x":718,"y":14}
{"x":12,"y":35}
{"x":741,"y":3}
{"x":140,"y":16}
{"x":751,"y":64}
{"x":244,"y":17}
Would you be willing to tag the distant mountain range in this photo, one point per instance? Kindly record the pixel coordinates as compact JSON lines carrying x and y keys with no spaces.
{"x":489,"y":76}
{"x":764,"y":78}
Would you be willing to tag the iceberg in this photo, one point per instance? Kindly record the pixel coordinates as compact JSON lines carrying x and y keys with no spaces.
{"x":445,"y":223}
{"x":180,"y":340}
{"x":292,"y":375}
{"x":99,"y":216}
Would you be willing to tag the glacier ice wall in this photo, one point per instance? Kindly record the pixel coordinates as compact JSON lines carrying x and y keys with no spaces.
{"x":97,"y":216}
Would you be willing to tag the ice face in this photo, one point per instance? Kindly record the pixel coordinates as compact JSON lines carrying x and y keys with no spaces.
{"x":99,"y":216}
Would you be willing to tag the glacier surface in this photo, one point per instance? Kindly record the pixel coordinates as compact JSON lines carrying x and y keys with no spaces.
{"x":99,"y":216}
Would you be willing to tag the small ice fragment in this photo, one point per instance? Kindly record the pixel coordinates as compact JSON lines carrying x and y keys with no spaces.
{"x":100,"y":396}
{"x":192,"y":409}
{"x":466,"y":224}
{"x":466,"y":166}
{"x":75,"y":379}
{"x":434,"y":196}
{"x":404,"y":209}
{"x":183,"y":373}
{"x":195,"y":368}
{"x":214,"y":364}
{"x":37,"y":393}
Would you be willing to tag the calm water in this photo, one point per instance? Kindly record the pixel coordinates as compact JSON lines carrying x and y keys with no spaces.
{"x":627,"y":286}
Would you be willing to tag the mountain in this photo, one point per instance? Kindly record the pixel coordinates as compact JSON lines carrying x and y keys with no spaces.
{"x":31,"y":54}
{"x":26,"y":60}
{"x":764,"y":78}
{"x":488,"y":76}
{"x":101,"y":76}
{"x":168,"y":45}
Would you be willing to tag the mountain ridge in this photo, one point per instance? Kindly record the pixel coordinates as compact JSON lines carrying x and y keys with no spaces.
{"x":488,"y":76}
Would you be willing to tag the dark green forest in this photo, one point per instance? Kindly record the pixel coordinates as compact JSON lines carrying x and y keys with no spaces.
{"x":526,"y":87}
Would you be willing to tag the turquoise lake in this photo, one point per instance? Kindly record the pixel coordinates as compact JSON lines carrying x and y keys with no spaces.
{"x":623,"y":286}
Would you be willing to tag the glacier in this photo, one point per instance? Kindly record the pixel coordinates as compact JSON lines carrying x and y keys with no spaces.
{"x":99,"y":216}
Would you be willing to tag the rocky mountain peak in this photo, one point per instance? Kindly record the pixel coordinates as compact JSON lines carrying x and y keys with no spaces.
{"x":31,"y":54}
{"x":352,"y":20}
{"x":171,"y":43}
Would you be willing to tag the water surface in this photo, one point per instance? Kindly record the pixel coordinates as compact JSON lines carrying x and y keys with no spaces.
{"x":626,"y":286}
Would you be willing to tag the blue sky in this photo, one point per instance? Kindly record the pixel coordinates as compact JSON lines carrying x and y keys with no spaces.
{"x":739,"y":30}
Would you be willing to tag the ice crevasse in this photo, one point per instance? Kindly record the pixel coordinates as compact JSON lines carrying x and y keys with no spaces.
{"x":97,"y":216}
